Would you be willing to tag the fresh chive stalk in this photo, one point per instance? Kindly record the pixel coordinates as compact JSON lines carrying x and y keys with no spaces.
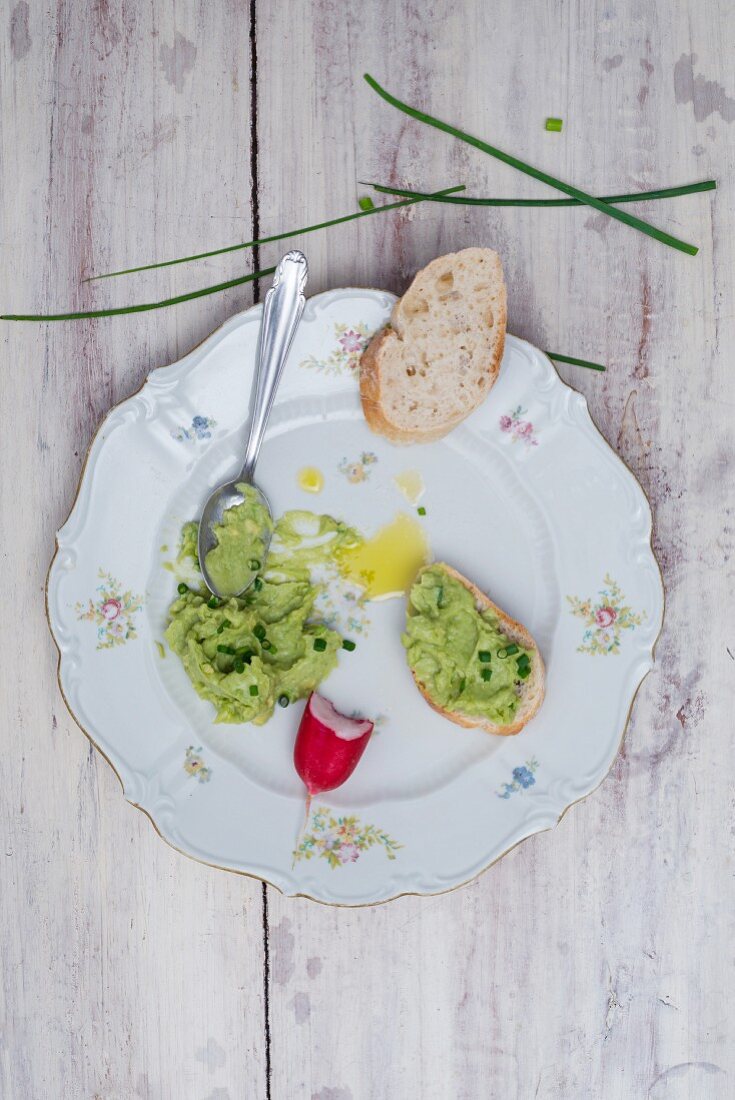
{"x":362,"y":213}
{"x":554,"y":125}
{"x":615,"y":200}
{"x":536,"y":173}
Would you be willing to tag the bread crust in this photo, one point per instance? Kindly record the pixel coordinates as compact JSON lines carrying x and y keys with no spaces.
{"x":372,"y":382}
{"x":534,"y":687}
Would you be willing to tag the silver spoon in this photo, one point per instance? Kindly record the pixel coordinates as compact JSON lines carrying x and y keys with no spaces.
{"x":282,"y":309}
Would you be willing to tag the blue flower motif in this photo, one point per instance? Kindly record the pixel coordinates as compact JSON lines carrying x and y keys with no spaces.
{"x":524,"y":777}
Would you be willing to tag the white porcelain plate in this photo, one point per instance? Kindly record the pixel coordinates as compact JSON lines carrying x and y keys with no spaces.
{"x":526,"y":498}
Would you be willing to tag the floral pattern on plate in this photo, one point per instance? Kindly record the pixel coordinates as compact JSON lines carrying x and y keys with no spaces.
{"x":113,"y":611}
{"x":351,"y":341}
{"x":360,"y":469}
{"x":194,"y":765}
{"x":341,"y":607}
{"x":201,"y":428}
{"x":519,"y":430}
{"x":341,"y":840}
{"x":605,"y":618}
{"x":523,"y":778}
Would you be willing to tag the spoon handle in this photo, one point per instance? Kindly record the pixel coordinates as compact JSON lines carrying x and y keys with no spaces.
{"x":282,"y":309}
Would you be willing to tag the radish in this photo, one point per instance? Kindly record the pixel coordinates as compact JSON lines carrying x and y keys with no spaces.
{"x":328,"y":746}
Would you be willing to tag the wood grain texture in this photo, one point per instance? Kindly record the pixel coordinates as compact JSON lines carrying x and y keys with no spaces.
{"x":594,"y":960}
{"x":114,"y":947}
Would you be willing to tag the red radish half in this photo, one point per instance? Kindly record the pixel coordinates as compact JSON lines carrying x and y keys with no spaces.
{"x":328,"y":745}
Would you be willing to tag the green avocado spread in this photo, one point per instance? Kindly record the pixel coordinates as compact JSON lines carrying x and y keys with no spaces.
{"x":459,"y":654}
{"x":242,"y":542}
{"x":248,"y":653}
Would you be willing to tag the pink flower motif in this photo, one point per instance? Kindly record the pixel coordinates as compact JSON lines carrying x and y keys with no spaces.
{"x":505,"y":423}
{"x":348,"y":853}
{"x":111,"y":609}
{"x":351,"y":341}
{"x":605,"y":616}
{"x":524,"y":428}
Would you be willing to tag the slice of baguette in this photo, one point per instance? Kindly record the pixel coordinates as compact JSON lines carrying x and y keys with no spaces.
{"x":440,"y":355}
{"x":532,"y":689}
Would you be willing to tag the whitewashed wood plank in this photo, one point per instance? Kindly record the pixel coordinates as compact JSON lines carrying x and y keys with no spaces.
{"x":590,"y":961}
{"x":127,"y":970}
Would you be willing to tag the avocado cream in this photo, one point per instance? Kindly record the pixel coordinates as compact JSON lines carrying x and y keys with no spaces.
{"x":248,"y":653}
{"x":459,"y":654}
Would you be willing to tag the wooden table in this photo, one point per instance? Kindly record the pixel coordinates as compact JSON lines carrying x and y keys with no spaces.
{"x":595,"y":960}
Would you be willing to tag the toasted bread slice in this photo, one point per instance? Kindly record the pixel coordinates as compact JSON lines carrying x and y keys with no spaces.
{"x":532,"y":689}
{"x":440,"y":355}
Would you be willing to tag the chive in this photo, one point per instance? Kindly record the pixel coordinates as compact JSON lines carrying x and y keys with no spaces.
{"x":227,"y":649}
{"x":484,"y":655}
{"x":554,"y":125}
{"x":283,"y":700}
{"x":511,"y":649}
{"x":320,"y":644}
{"x":421,"y":511}
{"x":182,"y":588}
{"x":213,"y":602}
{"x":366,"y":203}
{"x":543,"y":177}
{"x":253,"y":689}
{"x":265,"y":644}
{"x":142,"y":307}
{"x":269,"y":240}
{"x":524,"y":672}
{"x":348,"y":645}
{"x":239,"y":664}
{"x":486,"y":673}
{"x":575,"y":362}
{"x":254,"y":563}
{"x":440,"y":595}
{"x":223,"y":625}
{"x":220,"y":628}
{"x":245,"y":655}
{"x":462,"y":684}
{"x":257,"y":584}
{"x":259,"y":631}
{"x":614,"y":200}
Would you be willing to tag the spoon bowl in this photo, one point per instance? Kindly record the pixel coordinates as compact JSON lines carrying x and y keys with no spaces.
{"x":282,"y":309}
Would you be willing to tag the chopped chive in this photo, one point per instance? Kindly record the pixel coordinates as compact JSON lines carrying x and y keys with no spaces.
{"x":227,"y":649}
{"x":245,"y":655}
{"x":270,"y":240}
{"x":462,"y":684}
{"x":265,"y":644}
{"x":486,"y":673}
{"x":511,"y":649}
{"x":283,"y":700}
{"x":348,"y":645}
{"x":575,"y":362}
{"x":142,"y":307}
{"x":440,"y":595}
{"x":182,"y":588}
{"x":554,"y":125}
{"x":253,"y":689}
{"x":223,"y":625}
{"x":366,"y":203}
{"x":259,"y":631}
{"x":421,"y":511}
{"x":320,"y":644}
{"x":254,"y":563}
{"x":484,"y":655}
{"x":213,"y":602}
{"x":524,"y":672}
{"x":543,"y":177}
{"x":239,"y":664}
{"x":257,"y":584}
{"x":614,"y":200}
